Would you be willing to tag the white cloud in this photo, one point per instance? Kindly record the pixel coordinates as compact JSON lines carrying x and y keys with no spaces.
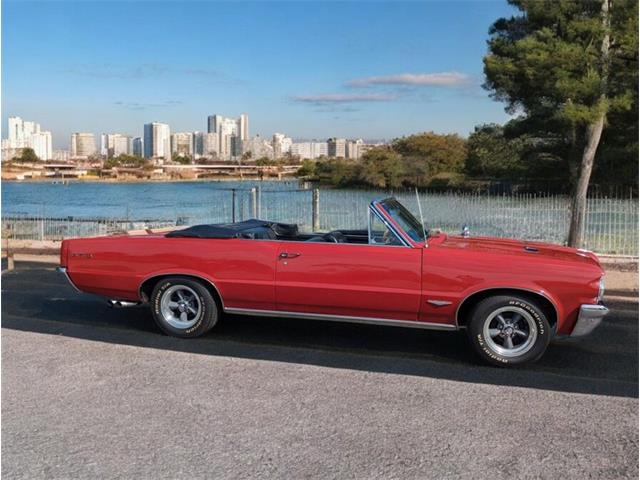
{"x":443,"y":79}
{"x":333,"y":98}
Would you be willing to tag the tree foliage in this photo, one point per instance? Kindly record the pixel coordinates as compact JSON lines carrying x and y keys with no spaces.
{"x":492,"y":154}
{"x":556,"y":63}
{"x":547,"y":64}
{"x":382,"y":167}
{"x":124,"y":160}
{"x":436,"y":153}
{"x":28,"y":155}
{"x":181,"y":159}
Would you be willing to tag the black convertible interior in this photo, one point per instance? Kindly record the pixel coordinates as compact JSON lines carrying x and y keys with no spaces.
{"x":266,"y":230}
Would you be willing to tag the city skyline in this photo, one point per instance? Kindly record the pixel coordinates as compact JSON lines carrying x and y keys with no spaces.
{"x":225,"y":139}
{"x":312,"y":70}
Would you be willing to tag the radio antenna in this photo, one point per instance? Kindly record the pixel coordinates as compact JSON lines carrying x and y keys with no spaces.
{"x":424,"y":230}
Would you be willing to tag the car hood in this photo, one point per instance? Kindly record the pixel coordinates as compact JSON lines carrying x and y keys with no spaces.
{"x":501,"y":246}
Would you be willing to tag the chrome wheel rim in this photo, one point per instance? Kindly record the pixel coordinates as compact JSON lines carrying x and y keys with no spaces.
{"x":180,"y":306}
{"x":510,"y":331}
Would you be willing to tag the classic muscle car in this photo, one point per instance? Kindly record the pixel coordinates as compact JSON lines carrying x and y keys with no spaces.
{"x":511,"y":297}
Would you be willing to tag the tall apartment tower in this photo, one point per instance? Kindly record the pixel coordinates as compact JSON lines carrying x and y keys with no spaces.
{"x":337,"y":147}
{"x":25,"y":134}
{"x":157,"y":141}
{"x":114,"y":144}
{"x":83,"y":145}
{"x":243,"y":126}
{"x":230,"y":133}
{"x":137,"y":147}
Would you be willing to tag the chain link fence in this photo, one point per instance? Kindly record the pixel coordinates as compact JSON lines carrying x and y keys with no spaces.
{"x":611,"y":226}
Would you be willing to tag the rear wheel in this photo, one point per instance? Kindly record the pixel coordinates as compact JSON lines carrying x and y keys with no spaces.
{"x":183,"y":307}
{"x":508,"y":330}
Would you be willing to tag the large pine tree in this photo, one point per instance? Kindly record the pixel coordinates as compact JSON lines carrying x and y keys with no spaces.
{"x":567,"y":63}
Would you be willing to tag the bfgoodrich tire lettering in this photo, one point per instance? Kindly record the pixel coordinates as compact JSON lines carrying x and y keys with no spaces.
{"x":183,"y":307}
{"x":508,"y":330}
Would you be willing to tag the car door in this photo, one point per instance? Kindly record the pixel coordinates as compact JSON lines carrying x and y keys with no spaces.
{"x":381,"y":280}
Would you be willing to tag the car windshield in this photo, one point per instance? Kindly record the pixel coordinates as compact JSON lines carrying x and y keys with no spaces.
{"x":403,"y":217}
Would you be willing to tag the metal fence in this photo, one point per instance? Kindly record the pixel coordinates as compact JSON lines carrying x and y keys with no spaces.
{"x":611,"y":222}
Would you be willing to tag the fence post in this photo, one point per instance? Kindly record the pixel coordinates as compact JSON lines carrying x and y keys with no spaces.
{"x":10,"y":263}
{"x":233,"y":205}
{"x":259,"y":201}
{"x":254,"y":202}
{"x":315,"y":209}
{"x":42,"y":223}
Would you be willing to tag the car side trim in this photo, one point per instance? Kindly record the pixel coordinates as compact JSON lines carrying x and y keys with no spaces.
{"x":63,"y":270}
{"x":341,"y":318}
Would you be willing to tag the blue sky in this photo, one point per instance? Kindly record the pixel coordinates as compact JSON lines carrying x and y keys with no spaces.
{"x":307,"y":69}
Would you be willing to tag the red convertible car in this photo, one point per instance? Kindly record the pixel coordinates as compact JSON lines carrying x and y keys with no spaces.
{"x":511,"y":297}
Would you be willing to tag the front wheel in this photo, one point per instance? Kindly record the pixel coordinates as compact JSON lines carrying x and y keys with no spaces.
{"x":508,"y":330}
{"x":183,"y":307}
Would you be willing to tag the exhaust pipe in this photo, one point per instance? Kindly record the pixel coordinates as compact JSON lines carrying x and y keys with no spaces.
{"x":122,"y":304}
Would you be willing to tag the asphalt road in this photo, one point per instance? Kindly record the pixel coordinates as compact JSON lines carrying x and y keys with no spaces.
{"x":93,"y":392}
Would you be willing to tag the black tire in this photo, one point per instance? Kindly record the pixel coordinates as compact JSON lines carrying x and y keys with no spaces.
{"x":201,"y":308}
{"x":524,"y":330}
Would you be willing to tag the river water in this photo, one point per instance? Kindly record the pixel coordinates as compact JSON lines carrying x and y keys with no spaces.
{"x":122,"y":200}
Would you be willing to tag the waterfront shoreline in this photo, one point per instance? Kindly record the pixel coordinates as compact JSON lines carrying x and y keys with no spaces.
{"x":151,"y":180}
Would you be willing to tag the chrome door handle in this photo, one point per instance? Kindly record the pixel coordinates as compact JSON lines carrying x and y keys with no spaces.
{"x":289,"y":255}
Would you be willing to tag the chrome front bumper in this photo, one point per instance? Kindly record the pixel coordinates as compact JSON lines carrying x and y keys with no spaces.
{"x":63,"y":270}
{"x":589,"y":318}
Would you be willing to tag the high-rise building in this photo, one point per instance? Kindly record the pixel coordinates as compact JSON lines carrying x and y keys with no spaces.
{"x":182,"y":144}
{"x":157,"y":141}
{"x":243,"y":127}
{"x":258,"y":147}
{"x":281,"y":145}
{"x":114,"y":144}
{"x":337,"y":147}
{"x":309,"y":150}
{"x":42,"y":144}
{"x":231,"y":133}
{"x":83,"y":145}
{"x":26,"y":134}
{"x":136,"y":147}
{"x":354,"y":149}
{"x":211,"y":145}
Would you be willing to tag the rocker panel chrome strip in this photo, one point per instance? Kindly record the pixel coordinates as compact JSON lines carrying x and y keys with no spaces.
{"x":341,"y":318}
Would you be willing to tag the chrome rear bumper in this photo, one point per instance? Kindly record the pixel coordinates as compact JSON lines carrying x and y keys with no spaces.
{"x":589,"y":318}
{"x":63,"y":270}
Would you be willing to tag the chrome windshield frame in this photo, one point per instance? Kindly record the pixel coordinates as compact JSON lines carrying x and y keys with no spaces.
{"x":381,"y":212}
{"x":377,"y":210}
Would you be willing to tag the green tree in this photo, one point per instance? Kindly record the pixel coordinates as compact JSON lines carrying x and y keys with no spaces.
{"x":28,"y":155}
{"x":491,"y":154}
{"x":181,"y":159}
{"x":437,"y":153}
{"x":308,"y":169}
{"x":124,"y":160}
{"x":266,"y":162}
{"x":382,"y":167}
{"x":337,"y":171}
{"x":569,"y":63}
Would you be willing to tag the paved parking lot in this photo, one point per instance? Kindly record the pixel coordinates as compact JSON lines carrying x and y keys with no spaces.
{"x":92,"y":392}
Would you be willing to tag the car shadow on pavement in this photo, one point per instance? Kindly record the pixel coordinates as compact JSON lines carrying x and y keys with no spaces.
{"x":605,"y":363}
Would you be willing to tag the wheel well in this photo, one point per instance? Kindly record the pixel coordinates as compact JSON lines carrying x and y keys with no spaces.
{"x":471,"y":301}
{"x":146,"y":288}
